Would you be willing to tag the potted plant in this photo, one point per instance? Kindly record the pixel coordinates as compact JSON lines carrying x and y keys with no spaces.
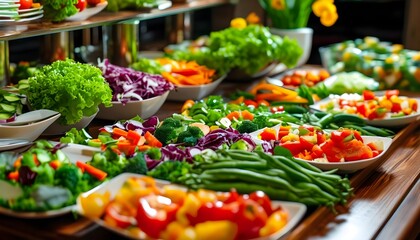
{"x":290,"y":18}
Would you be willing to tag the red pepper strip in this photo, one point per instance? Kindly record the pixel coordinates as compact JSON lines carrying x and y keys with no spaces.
{"x":268,"y":134}
{"x":185,"y":71}
{"x":121,"y":214}
{"x":154,"y":213}
{"x":95,"y":172}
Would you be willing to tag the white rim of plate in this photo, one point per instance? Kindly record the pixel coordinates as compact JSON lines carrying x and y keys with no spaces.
{"x":30,"y":18}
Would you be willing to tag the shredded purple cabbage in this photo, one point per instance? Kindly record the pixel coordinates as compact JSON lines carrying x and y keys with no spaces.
{"x":148,"y":125}
{"x":128,"y":84}
{"x":213,"y":141}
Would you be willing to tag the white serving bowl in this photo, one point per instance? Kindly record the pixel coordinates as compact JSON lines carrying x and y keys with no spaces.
{"x":143,"y":108}
{"x":59,"y":129}
{"x":194,"y":92}
{"x":353,"y":166}
{"x":29,"y":132}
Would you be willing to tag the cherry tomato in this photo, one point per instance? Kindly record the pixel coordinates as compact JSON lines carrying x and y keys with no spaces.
{"x":25,"y":4}
{"x":81,"y":5}
{"x":93,"y":2}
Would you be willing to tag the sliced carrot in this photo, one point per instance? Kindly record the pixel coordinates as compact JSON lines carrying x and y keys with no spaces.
{"x":247,"y":115}
{"x":233,"y":115}
{"x":18,"y":162}
{"x":187,"y":105}
{"x":152,"y":140}
{"x":95,"y":172}
{"x":126,"y":146}
{"x":133,"y":136}
{"x":143,"y":148}
{"x":13,"y":175}
{"x":118,"y":132}
{"x":55,"y":164}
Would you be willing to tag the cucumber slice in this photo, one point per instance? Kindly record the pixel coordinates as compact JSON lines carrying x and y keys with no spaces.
{"x":4,"y":116}
{"x":7,"y":107}
{"x":11,"y":98}
{"x":9,"y":191}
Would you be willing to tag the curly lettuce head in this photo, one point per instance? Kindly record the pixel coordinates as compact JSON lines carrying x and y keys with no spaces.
{"x":74,"y":89}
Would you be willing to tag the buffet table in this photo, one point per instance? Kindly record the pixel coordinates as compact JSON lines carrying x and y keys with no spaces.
{"x":386,"y":204}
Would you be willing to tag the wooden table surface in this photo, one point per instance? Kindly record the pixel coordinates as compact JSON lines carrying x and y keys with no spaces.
{"x":386,"y":203}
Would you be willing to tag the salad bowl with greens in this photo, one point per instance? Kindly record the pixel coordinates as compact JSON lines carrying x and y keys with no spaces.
{"x":73,"y":89}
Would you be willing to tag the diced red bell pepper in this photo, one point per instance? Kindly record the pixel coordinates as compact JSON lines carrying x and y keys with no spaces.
{"x":332,"y":152}
{"x":306,"y":145}
{"x":368,"y":95}
{"x":249,"y":102}
{"x":282,"y":133}
{"x":119,"y":214}
{"x":250,"y":219}
{"x":338,"y":137}
{"x":215,"y":211}
{"x":268,"y":134}
{"x":396,"y":108}
{"x":390,"y":93}
{"x":320,"y":137}
{"x":154,"y":213}
{"x":294,"y":147}
{"x":263,"y":200}
{"x":362,"y":109}
{"x":316,"y":152}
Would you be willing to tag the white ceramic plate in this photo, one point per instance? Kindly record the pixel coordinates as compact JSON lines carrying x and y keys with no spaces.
{"x":353,"y":166}
{"x":194,"y":92}
{"x":30,"y":9}
{"x":144,"y":108}
{"x":342,"y":167}
{"x":28,"y":132}
{"x":9,"y":6}
{"x":37,"y":215}
{"x":10,"y":144}
{"x":76,"y":153}
{"x":386,"y":122}
{"x":294,"y":210}
{"x":88,"y":12}
{"x":57,"y":129}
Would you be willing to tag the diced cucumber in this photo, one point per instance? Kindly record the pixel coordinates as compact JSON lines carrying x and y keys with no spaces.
{"x":7,"y":107}
{"x":5,"y":115}
{"x":11,"y":98}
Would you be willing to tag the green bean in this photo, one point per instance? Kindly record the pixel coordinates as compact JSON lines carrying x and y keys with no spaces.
{"x":243,"y":156}
{"x":359,"y":128}
{"x":305,"y":165}
{"x":325,"y":120}
{"x":235,"y":164}
{"x":377,"y":131}
{"x":320,"y":114}
{"x":350,"y":118}
{"x":252,"y":177}
{"x":294,"y":174}
{"x":315,"y":189}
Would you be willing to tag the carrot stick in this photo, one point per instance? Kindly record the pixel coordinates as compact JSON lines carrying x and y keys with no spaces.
{"x":95,"y":172}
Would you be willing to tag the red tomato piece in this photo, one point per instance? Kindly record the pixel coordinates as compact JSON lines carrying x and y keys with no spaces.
{"x":306,"y":145}
{"x":249,"y":102}
{"x":332,"y":152}
{"x":294,"y":147}
{"x":81,"y":5}
{"x":390,"y":93}
{"x":368,"y":95}
{"x":25,"y":4}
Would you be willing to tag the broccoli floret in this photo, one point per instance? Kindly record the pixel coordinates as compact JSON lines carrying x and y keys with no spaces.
{"x":172,"y":122}
{"x":247,"y":127}
{"x":261,"y":121}
{"x":190,"y":136}
{"x":154,"y":153}
{"x":69,"y":176}
{"x":166,"y":134}
{"x":109,"y":161}
{"x":171,"y":171}
{"x":168,"y":131}
{"x":136,"y":164}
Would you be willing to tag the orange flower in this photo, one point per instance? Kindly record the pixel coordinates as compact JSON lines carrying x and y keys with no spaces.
{"x":253,"y":18}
